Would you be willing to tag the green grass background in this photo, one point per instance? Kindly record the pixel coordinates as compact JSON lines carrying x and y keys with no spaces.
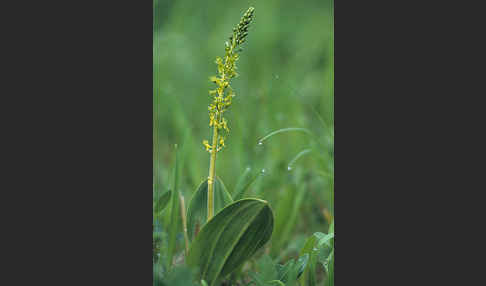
{"x":286,"y":80}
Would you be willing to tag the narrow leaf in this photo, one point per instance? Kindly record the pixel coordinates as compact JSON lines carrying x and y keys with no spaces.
{"x":162,"y":202}
{"x":307,"y":131}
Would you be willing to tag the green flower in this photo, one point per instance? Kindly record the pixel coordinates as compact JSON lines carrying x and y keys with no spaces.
{"x":223,"y":94}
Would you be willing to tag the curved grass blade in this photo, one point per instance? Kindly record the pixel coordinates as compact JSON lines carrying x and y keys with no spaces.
{"x":301,"y":153}
{"x":197,"y":209}
{"x":230,"y":238}
{"x":307,"y":131}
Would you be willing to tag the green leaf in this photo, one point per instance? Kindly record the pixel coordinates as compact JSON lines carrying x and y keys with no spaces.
{"x":162,"y":202}
{"x":230,"y":238}
{"x":197,"y":210}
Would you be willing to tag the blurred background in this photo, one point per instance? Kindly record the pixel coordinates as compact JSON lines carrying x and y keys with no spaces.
{"x":286,"y":80}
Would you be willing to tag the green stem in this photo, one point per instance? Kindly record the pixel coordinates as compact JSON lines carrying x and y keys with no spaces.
{"x":212,"y":172}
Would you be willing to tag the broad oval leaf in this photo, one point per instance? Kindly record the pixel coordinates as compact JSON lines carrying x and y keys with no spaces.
{"x":197,"y":209}
{"x":231,"y":237}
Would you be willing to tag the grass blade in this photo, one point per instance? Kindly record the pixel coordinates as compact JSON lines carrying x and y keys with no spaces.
{"x":307,"y":131}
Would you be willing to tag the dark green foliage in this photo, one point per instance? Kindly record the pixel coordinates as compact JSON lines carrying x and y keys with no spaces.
{"x":230,"y":238}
